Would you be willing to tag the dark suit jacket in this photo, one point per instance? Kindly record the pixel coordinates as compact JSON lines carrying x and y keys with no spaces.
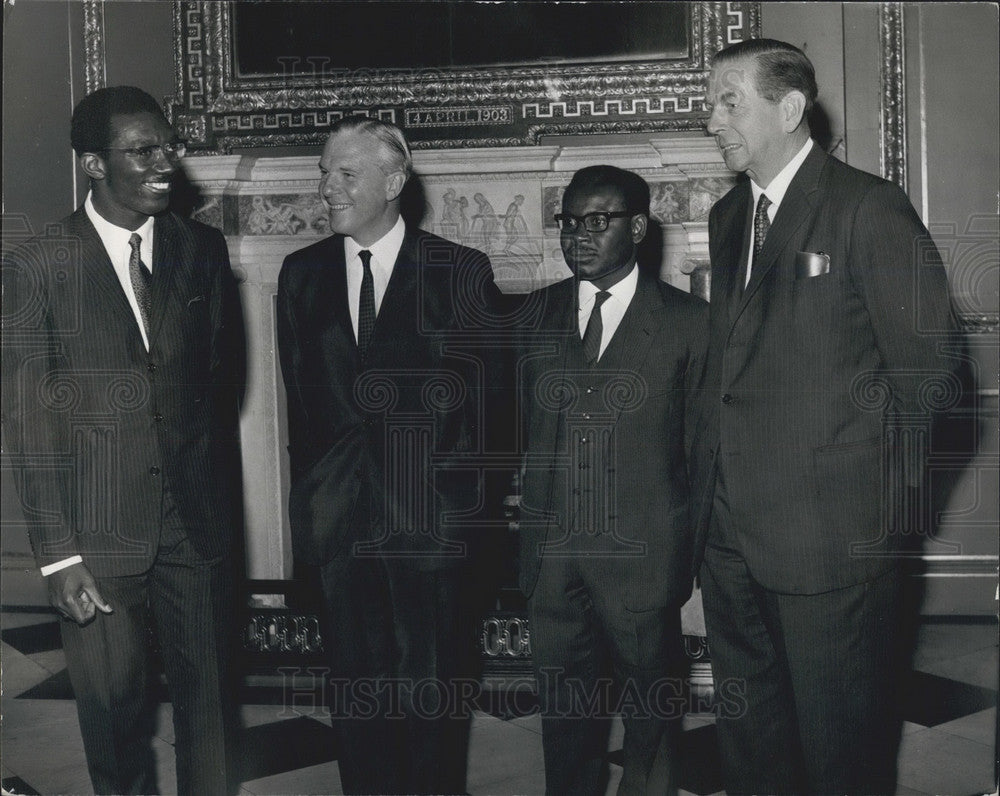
{"x":376,"y":451}
{"x":805,"y":371}
{"x":95,"y":424}
{"x":646,"y":374}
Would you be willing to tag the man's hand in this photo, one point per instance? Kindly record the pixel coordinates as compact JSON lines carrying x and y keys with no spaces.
{"x":73,"y":593}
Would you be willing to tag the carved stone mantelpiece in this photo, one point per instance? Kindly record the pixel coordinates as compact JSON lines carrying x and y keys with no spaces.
{"x":500,"y":200}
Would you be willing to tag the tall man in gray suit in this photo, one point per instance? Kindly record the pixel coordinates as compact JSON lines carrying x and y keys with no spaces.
{"x":827,"y":294}
{"x":607,"y":366}
{"x":122,"y":369}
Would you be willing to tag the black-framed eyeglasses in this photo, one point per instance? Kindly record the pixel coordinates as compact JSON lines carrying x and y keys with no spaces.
{"x":146,"y":155}
{"x":592,"y":222}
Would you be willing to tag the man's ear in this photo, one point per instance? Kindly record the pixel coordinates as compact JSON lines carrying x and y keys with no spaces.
{"x":793,"y":108}
{"x":93,"y":165}
{"x":394,"y":185}
{"x":638,"y":226}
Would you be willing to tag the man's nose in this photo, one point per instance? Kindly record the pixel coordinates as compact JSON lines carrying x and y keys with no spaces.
{"x":714,"y":125}
{"x":328,"y":186}
{"x":162,"y":163}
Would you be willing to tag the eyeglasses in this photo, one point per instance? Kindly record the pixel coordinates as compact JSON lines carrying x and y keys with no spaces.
{"x":592,"y":222}
{"x":146,"y":155}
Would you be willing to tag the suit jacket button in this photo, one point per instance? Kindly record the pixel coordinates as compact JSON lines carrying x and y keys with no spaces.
{"x":154,"y":470}
{"x":727,"y":398}
{"x":151,"y":367}
{"x":158,"y":417}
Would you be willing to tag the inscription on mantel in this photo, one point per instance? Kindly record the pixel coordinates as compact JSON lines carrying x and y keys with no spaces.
{"x":448,"y":117}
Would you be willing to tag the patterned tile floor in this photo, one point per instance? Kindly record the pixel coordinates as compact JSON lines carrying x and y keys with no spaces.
{"x":948,"y":746}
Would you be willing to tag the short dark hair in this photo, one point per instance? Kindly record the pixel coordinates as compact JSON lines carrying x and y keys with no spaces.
{"x":394,"y":145}
{"x":781,"y":67}
{"x":633,"y":188}
{"x":90,"y":129}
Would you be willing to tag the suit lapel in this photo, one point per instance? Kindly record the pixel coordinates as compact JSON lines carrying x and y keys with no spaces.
{"x":173,"y":251}
{"x":98,"y":269}
{"x":337,"y":281}
{"x":403,"y":284}
{"x":629,"y":348}
{"x":726,"y":259}
{"x":796,"y":207}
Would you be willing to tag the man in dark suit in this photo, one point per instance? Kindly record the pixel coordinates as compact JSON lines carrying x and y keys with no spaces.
{"x":376,"y":331}
{"x":828,"y":301}
{"x":606,"y":537}
{"x":122,"y":366}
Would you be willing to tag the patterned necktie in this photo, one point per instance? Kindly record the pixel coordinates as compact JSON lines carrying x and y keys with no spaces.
{"x":595,"y":328}
{"x":761,"y":224}
{"x":366,"y":306}
{"x":141,"y":281}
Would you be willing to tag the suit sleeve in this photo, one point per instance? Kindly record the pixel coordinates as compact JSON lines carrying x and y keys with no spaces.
{"x":228,"y":357}
{"x":290,"y":356}
{"x":36,"y":435}
{"x":898,"y":270}
{"x":694,"y":377}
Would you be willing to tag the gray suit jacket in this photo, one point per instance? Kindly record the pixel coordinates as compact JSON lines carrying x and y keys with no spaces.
{"x":95,"y":425}
{"x":836,"y":334}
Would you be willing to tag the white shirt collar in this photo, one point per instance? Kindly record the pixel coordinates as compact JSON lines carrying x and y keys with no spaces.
{"x":115,"y":238}
{"x":779,"y":185}
{"x":384,"y":251}
{"x":622,"y":291}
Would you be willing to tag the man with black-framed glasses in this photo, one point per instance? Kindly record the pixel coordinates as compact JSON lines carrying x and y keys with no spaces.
{"x":607,"y":364}
{"x":123,"y":365}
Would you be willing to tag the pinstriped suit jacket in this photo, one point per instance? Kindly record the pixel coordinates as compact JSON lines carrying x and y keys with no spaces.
{"x":96,"y":426}
{"x":805,"y":371}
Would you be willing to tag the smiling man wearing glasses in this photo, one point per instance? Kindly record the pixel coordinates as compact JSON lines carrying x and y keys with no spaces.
{"x":606,"y":540}
{"x":122,"y":371}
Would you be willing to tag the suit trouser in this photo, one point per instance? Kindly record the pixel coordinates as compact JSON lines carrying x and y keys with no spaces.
{"x":400,"y":645}
{"x":186,"y":599}
{"x":804,"y":683}
{"x":579,"y":628}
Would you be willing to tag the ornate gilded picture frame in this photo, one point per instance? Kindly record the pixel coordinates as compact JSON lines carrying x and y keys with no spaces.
{"x":224,"y":103}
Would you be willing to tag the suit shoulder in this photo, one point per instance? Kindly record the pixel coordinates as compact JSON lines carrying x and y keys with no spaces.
{"x":58,"y":242}
{"x":681,"y":301}
{"x":839,"y":171}
{"x":429,"y":242}
{"x":730,"y":198}
{"x":301,"y":263}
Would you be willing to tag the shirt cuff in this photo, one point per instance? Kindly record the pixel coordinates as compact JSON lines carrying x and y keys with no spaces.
{"x":48,"y":569}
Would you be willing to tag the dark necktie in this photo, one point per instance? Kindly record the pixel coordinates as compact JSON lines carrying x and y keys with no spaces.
{"x":366,"y":306}
{"x":761,"y":224}
{"x":141,"y":280}
{"x":595,"y":328}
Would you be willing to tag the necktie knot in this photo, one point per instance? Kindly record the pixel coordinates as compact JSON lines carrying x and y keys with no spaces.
{"x":366,"y":259}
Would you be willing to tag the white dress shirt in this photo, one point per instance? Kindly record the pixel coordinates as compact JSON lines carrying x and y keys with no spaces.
{"x":115,"y":240}
{"x":384,"y":253}
{"x":775,"y":192}
{"x":612,"y":310}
